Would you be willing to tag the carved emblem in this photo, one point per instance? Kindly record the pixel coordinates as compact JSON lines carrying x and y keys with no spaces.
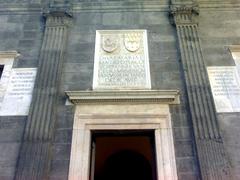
{"x":109,"y":43}
{"x":132,"y":41}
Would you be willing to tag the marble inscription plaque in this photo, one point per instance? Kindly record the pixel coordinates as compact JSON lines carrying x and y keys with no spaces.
{"x":121,"y":60}
{"x":236,"y":57}
{"x":17,"y":98}
{"x":5,"y":77}
{"x":225,"y":85}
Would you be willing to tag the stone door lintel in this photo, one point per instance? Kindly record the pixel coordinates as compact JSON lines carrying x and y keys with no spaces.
{"x":151,"y":96}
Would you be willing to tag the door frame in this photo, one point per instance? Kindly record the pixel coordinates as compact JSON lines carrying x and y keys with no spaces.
{"x":130,"y":115}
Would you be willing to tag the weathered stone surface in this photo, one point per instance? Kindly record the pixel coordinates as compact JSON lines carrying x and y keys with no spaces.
{"x":22,"y":25}
{"x":216,"y":37}
{"x":36,"y":146}
{"x":213,"y":160}
{"x":164,"y":66}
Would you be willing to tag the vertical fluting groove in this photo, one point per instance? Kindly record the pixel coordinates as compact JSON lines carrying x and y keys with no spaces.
{"x":37,"y":165}
{"x":191,"y":83}
{"x":202,"y":100}
{"x":203,"y":157}
{"x":210,"y":103}
{"x":213,"y":168}
{"x":216,"y":156}
{"x":56,"y":73}
{"x":200,"y":109}
{"x":46,"y":104}
{"x":212,"y":158}
{"x":41,"y":120}
{"x":199,"y":81}
{"x":54,"y":78}
{"x":45,"y":68}
{"x":30,"y":124}
{"x":49,"y":102}
{"x":34,"y":157}
{"x":202,"y":161}
{"x":188,"y":79}
{"x":41,"y":97}
{"x":202,"y":71}
{"x":189,"y":72}
{"x":192,"y":72}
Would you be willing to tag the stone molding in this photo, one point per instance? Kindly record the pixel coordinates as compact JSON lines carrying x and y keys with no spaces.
{"x":234,"y":48}
{"x":153,"y":6}
{"x":163,"y":96}
{"x":59,"y":9}
{"x":9,"y":54}
{"x":115,"y":116}
{"x":156,"y":6}
{"x":219,"y":5}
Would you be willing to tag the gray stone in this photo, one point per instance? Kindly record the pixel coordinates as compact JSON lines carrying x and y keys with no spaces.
{"x":65,"y":116}
{"x":59,"y":168}
{"x":186,"y":165}
{"x":9,"y":151}
{"x":219,"y":28}
{"x":131,"y":18}
{"x":90,"y":19}
{"x":188,"y":176}
{"x":112,"y":18}
{"x":184,"y":148}
{"x":61,"y":151}
{"x":153,"y":18}
{"x":7,"y":169}
{"x":182,"y":133}
{"x":63,"y":136}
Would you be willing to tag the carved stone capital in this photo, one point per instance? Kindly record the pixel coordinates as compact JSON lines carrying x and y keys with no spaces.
{"x":56,"y":20}
{"x":58,"y":15}
{"x":184,"y":14}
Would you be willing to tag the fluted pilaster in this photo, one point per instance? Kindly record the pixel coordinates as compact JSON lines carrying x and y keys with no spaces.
{"x":212,"y":157}
{"x":50,"y":63}
{"x":35,"y":152}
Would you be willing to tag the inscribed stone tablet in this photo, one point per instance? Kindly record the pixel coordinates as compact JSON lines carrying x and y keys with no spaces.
{"x":5,"y":77}
{"x":18,"y":95}
{"x":225,"y":85}
{"x":121,"y":60}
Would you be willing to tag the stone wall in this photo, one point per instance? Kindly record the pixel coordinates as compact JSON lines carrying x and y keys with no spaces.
{"x":219,"y":30}
{"x":23,"y":33}
{"x":22,"y":30}
{"x":165,"y":74}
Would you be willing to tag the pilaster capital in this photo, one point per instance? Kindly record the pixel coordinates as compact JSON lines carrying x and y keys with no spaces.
{"x":184,"y":14}
{"x":58,"y":15}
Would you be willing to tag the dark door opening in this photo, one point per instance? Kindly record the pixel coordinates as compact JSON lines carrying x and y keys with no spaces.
{"x":123,"y":155}
{"x":1,"y":70}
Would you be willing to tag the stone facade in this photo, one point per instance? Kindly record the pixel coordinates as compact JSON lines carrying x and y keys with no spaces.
{"x":58,"y":37}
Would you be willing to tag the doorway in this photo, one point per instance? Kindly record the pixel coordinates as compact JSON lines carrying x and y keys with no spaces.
{"x":123,"y":154}
{"x":142,"y":131}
